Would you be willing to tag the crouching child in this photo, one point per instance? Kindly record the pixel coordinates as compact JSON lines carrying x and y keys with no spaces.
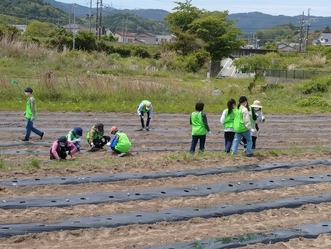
{"x":61,"y":148}
{"x":120,"y":144}
{"x":74,"y":137}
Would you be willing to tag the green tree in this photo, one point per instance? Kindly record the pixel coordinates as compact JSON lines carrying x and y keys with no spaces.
{"x":200,"y":29}
{"x":10,"y":32}
{"x":256,"y":63}
{"x":85,"y":40}
{"x":36,"y":28}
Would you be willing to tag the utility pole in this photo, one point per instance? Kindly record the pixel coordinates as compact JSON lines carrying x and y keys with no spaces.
{"x":307,"y":29}
{"x":97,"y":20}
{"x":100,"y":19}
{"x":301,"y":28}
{"x":69,"y":18}
{"x":74,"y":33}
{"x":90,"y":15}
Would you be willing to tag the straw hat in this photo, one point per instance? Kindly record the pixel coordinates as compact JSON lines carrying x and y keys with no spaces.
{"x":257,"y":104}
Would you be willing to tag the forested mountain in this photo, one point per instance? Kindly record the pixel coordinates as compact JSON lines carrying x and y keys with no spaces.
{"x":154,"y":14}
{"x":133,"y":23}
{"x":21,"y":11}
{"x":151,"y":20}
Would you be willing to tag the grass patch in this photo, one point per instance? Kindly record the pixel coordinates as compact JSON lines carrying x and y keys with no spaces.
{"x":33,"y":162}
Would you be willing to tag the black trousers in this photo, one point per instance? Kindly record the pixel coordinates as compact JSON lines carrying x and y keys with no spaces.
{"x":62,"y":152}
{"x":142,"y":120}
{"x":253,"y":141}
{"x":101,"y":141}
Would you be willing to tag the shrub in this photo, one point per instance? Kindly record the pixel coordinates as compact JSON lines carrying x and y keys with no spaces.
{"x":141,"y":52}
{"x":315,"y":85}
{"x":312,"y":101}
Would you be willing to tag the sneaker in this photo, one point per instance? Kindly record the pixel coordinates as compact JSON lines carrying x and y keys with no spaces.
{"x":147,"y":128}
{"x":42,"y":135}
{"x":24,"y":140}
{"x":249,"y":155}
{"x":122,"y":154}
{"x":141,"y":129}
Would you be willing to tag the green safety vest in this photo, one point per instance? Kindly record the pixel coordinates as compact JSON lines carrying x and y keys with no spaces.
{"x":238,"y":124}
{"x":28,"y":111}
{"x":73,"y":135}
{"x":144,"y":107}
{"x":229,"y":119}
{"x":198,"y":126}
{"x":123,"y":143}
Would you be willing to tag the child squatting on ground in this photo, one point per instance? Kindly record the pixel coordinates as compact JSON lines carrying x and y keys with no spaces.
{"x":60,"y":148}
{"x":74,"y":136}
{"x":199,"y":123}
{"x":95,"y":137}
{"x":120,"y":144}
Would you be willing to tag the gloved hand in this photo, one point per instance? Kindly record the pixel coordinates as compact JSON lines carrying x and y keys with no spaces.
{"x":92,"y":145}
{"x":263,"y":119}
{"x":209,"y":132}
{"x":32,"y":119}
{"x":252,"y":130}
{"x":24,"y":113}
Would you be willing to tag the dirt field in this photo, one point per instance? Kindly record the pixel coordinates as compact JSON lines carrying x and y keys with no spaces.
{"x":161,"y":150}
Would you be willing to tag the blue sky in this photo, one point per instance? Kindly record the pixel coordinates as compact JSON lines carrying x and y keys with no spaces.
{"x":273,"y":7}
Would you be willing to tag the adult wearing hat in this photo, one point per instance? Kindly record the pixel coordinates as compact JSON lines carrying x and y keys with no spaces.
{"x":31,"y":115}
{"x":120,"y":144}
{"x":242,"y":127}
{"x":145,"y":107}
{"x":74,"y":136}
{"x":259,"y":119}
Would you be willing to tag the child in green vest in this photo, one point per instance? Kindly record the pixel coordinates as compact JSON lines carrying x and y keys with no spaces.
{"x":145,"y":107}
{"x":31,"y":115}
{"x":120,"y":144}
{"x":74,"y":136}
{"x":199,"y":123}
{"x":242,"y":126}
{"x":227,"y":120}
{"x":95,"y":137}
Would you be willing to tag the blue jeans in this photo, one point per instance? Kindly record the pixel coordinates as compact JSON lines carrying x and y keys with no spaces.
{"x":237,"y":139}
{"x":29,"y":128}
{"x":195,"y":140}
{"x":228,"y":137}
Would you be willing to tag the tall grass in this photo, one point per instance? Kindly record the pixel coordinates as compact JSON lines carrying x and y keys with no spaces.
{"x":81,"y":81}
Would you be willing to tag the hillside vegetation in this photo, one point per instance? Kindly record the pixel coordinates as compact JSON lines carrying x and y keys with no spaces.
{"x":81,"y":81}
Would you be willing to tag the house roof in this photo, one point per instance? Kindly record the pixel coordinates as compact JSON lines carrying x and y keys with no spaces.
{"x":122,"y":33}
{"x":144,"y":32}
{"x":323,"y":39}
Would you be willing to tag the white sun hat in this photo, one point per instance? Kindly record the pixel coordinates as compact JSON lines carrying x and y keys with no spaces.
{"x":257,"y":104}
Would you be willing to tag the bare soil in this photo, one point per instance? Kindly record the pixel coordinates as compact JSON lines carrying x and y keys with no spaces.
{"x":284,"y":138}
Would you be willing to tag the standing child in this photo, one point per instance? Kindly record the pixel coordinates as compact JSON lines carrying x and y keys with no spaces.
{"x":199,"y":123}
{"x":95,"y":136}
{"x":60,"y":148}
{"x":257,"y":107}
{"x":242,"y":127}
{"x":31,"y":115}
{"x":120,"y":144}
{"x":145,"y":107}
{"x":74,"y":136}
{"x":227,"y":120}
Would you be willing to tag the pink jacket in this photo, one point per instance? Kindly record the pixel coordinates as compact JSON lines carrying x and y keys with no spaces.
{"x":69,"y":145}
